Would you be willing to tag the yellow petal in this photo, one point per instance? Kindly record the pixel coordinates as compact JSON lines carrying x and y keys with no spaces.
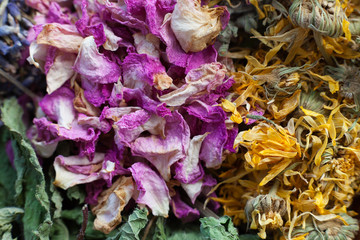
{"x":318,"y":157}
{"x":345,"y":26}
{"x":230,"y":107}
{"x":256,"y":5}
{"x":287,"y":106}
{"x":275,"y":170}
{"x":277,"y":153}
{"x":333,"y":85}
{"x":270,"y":54}
{"x":301,"y":237}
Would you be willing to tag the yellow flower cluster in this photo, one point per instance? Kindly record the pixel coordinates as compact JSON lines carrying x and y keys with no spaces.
{"x":296,"y":99}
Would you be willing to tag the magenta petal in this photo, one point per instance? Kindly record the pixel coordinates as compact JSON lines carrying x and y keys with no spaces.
{"x":153,"y":191}
{"x":182,"y":210}
{"x":161,"y":151}
{"x":94,"y":66}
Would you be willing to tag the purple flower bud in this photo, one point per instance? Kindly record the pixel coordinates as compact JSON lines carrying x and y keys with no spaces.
{"x":7,"y":30}
{"x":14,"y":10}
{"x":4,"y":49}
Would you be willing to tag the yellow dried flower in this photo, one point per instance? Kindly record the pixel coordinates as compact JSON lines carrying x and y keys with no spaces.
{"x":269,"y":148}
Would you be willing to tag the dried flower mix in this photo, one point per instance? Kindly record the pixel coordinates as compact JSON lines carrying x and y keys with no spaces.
{"x":298,"y":169}
{"x":183,"y":107}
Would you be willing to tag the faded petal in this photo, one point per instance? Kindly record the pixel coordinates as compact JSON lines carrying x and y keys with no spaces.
{"x":189,"y":169}
{"x":153,"y":191}
{"x":111,"y":202}
{"x":161,"y":151}
{"x":60,"y":71}
{"x":203,"y":79}
{"x":74,"y":170}
{"x":58,"y":106}
{"x":94,"y":66}
{"x":62,"y":36}
{"x":196,"y":26}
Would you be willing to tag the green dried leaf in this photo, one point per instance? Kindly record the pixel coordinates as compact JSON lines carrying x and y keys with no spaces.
{"x":59,"y":231}
{"x":218,"y":229}
{"x":8,"y":215}
{"x":8,"y":173}
{"x":159,"y":233}
{"x":30,"y":183}
{"x":131,"y":229}
{"x":56,"y":197}
{"x":76,"y":193}
{"x":188,"y":231}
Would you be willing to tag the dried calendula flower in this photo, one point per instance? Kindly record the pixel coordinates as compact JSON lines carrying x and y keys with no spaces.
{"x":326,"y":19}
{"x":196,"y":26}
{"x":281,"y":82}
{"x":349,"y":78}
{"x":344,"y":228}
{"x":269,"y":148}
{"x":311,"y":100}
{"x":266,"y":211}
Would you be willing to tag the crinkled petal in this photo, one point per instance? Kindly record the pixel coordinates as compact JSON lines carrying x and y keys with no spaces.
{"x":213,"y":144}
{"x":95,"y":122}
{"x":37,"y":55}
{"x":62,"y":36}
{"x":153,"y":191}
{"x":60,"y":71}
{"x":113,"y":165}
{"x":189,"y":169}
{"x":145,"y":102}
{"x":182,"y":210}
{"x":205,"y":78}
{"x":74,"y":170}
{"x":111,"y":202}
{"x":58,"y":106}
{"x":96,"y":93}
{"x":193,"y":190}
{"x":163,"y":152}
{"x":94,"y":66}
{"x":148,"y":44}
{"x":125,"y":135}
{"x":51,"y":132}
{"x":196,"y":26}
{"x":141,"y":70}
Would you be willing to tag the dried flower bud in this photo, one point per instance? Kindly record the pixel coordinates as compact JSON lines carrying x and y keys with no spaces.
{"x":330,"y":230}
{"x":265,"y":211}
{"x":196,"y":26}
{"x":311,"y":100}
{"x":325,"y":19}
{"x":349,"y":78}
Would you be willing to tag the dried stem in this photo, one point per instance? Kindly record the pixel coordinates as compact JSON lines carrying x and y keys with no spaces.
{"x":204,"y":211}
{"x":85,"y":211}
{"x":18,"y":85}
{"x":148,"y":227}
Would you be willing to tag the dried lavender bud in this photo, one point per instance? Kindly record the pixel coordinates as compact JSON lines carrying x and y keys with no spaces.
{"x":16,"y":20}
{"x":14,"y":10}
{"x":7,"y":30}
